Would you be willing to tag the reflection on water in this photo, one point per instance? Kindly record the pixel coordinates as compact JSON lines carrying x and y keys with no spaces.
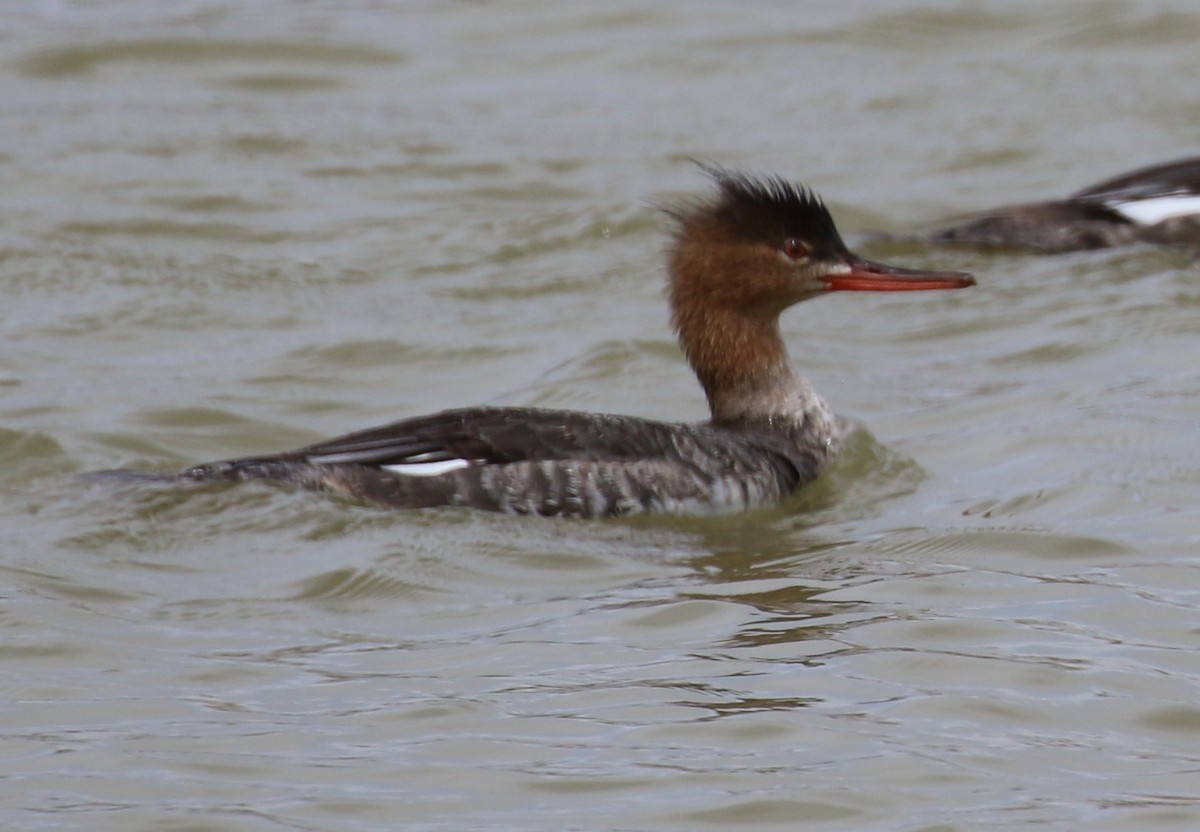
{"x":238,"y":229}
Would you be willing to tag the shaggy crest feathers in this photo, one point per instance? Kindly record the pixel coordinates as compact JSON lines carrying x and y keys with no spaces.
{"x":766,"y":209}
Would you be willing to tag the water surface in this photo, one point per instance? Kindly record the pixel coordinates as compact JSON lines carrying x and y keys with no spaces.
{"x":238,"y":228}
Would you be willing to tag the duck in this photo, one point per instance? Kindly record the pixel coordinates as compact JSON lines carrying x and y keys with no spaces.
{"x":735,"y":262}
{"x":1159,"y":204}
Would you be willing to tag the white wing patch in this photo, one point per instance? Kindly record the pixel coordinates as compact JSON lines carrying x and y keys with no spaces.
{"x":419,"y":466}
{"x":427,"y":469}
{"x":1151,"y":211}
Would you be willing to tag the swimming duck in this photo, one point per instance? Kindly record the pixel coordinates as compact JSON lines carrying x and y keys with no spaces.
{"x":735,"y":263}
{"x":1157,"y":204}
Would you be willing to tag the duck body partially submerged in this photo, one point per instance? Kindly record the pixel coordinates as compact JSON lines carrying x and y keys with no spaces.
{"x":736,"y":262}
{"x":1159,"y":204}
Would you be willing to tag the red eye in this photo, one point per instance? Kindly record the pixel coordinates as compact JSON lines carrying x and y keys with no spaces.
{"x":796,"y":249}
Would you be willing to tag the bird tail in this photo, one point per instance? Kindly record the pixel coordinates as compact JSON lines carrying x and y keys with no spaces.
{"x":125,"y":475}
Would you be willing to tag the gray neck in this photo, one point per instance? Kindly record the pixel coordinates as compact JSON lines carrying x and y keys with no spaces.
{"x":782,"y":402}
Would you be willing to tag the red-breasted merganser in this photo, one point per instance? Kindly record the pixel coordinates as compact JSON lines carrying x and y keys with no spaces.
{"x":736,"y":263}
{"x":1158,"y":204}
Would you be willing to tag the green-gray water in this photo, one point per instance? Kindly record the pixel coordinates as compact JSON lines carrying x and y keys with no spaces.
{"x":231,"y":228}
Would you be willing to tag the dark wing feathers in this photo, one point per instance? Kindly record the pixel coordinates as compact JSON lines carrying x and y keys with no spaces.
{"x":1179,"y":177}
{"x":495,"y":435}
